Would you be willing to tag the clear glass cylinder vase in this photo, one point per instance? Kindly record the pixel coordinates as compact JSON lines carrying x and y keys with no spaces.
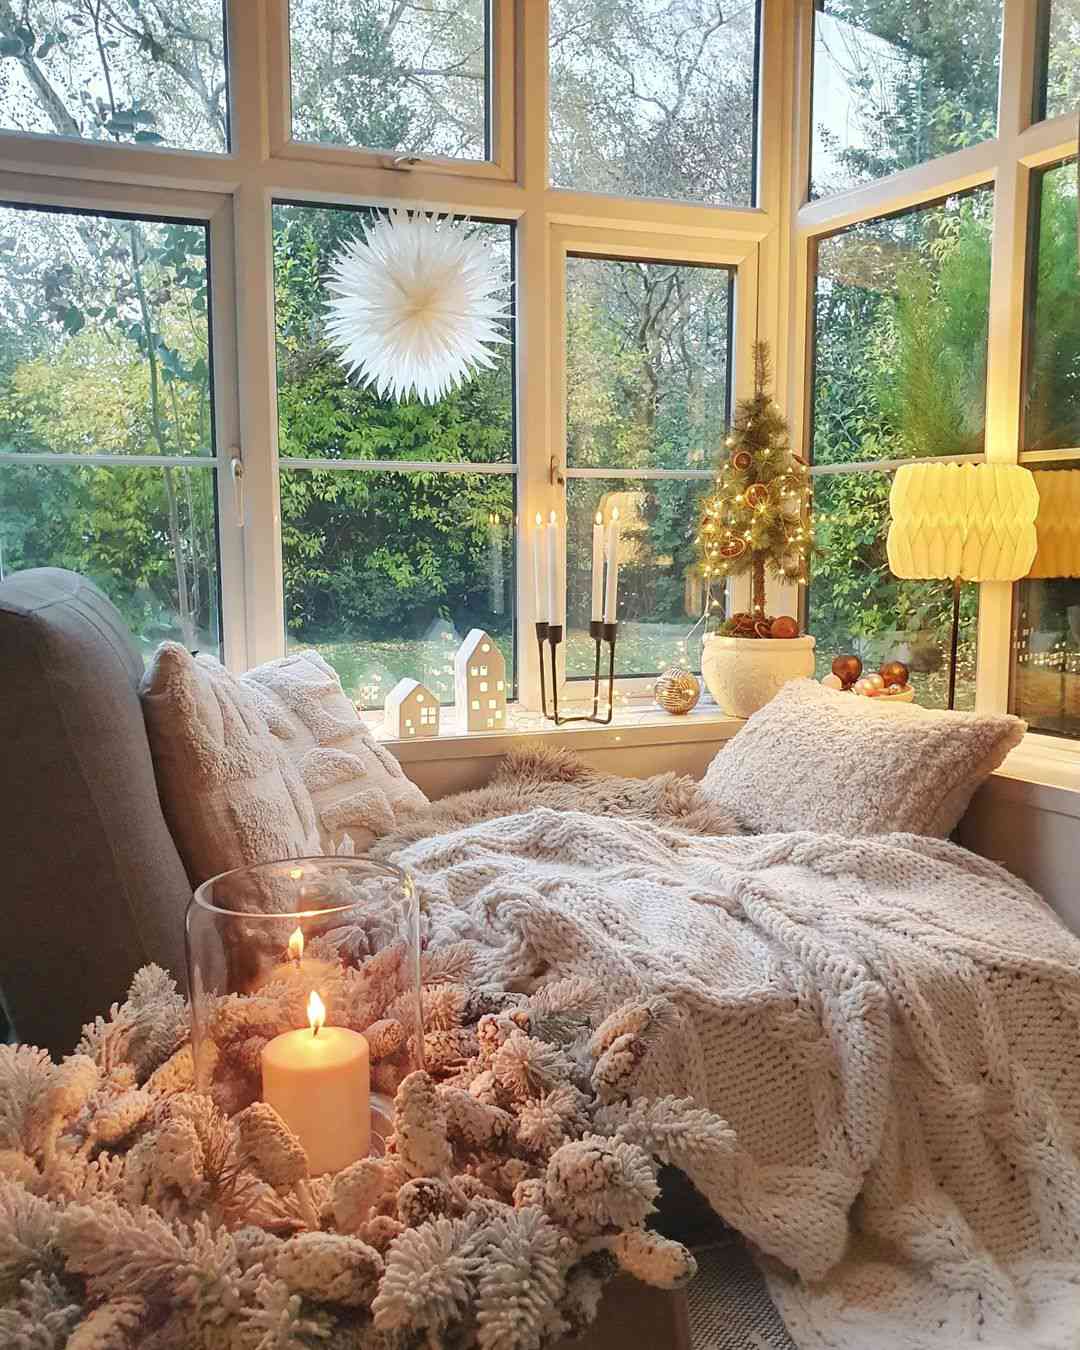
{"x":282,"y":952}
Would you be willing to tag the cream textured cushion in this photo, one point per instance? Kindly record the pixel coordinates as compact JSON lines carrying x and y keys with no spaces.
{"x":818,"y":759}
{"x":357,"y":785}
{"x":229,"y":795}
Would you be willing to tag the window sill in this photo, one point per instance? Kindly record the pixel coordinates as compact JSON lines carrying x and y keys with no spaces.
{"x":633,"y":725}
{"x":1046,"y":765}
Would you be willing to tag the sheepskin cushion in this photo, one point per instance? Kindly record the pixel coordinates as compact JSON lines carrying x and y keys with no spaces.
{"x":356,"y":784}
{"x":818,"y":759}
{"x":229,"y":794}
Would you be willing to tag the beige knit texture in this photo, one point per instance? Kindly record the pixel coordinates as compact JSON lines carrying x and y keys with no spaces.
{"x":356,"y":784}
{"x":818,"y":759}
{"x":229,"y":794}
{"x":893,"y":1022}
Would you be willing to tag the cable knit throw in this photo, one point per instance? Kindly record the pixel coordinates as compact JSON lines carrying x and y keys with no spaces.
{"x":890,"y":1026}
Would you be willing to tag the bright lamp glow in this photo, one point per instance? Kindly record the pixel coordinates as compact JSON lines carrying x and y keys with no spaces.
{"x":1058,"y":523}
{"x":973,"y":522}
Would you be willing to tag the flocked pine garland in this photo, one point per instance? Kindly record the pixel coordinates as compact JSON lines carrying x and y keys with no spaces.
{"x":135,"y":1211}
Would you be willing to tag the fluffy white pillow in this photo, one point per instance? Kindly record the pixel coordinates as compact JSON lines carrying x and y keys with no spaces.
{"x":229,"y":795}
{"x":818,"y":759}
{"x":357,"y":785}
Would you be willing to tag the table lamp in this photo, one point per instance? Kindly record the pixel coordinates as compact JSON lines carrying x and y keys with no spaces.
{"x":1057,"y":524}
{"x":962,"y":522}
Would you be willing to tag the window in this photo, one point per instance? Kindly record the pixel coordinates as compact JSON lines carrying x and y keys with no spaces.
{"x":894,"y":86}
{"x":1059,"y":89}
{"x":107,"y":463}
{"x":405,"y":542}
{"x":176,"y":425}
{"x":1052,"y":401}
{"x":901,"y":315}
{"x":648,"y":375}
{"x":655,"y":98}
{"x":127,"y":73}
{"x":388,"y":76}
{"x":1046,"y":640}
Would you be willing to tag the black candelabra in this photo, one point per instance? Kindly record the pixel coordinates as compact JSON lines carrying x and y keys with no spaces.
{"x":549,"y":635}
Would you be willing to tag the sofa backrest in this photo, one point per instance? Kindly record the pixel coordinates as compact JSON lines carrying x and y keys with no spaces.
{"x":91,"y":884}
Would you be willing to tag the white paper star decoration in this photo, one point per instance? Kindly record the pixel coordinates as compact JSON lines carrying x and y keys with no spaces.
{"x":416,"y":305}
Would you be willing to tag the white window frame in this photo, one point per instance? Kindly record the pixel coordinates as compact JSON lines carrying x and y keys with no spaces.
{"x":1006,"y":164}
{"x":235,"y":192}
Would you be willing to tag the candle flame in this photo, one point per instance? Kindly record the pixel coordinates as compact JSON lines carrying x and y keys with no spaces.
{"x":316,"y":1012}
{"x":599,"y":518}
{"x":296,"y":945}
{"x":615,"y":513}
{"x":539,"y":518}
{"x":553,"y":517}
{"x":296,"y":873}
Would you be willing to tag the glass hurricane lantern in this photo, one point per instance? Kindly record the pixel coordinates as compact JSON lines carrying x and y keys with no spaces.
{"x":262,"y":939}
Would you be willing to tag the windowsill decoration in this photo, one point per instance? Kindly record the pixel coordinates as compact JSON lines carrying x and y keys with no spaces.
{"x":135,"y":1209}
{"x":892,"y":681}
{"x":480,"y":683}
{"x":416,"y":305}
{"x":756,"y":519}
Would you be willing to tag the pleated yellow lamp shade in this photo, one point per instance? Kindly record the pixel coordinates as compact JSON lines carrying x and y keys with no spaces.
{"x":975,"y":522}
{"x":1058,"y":523}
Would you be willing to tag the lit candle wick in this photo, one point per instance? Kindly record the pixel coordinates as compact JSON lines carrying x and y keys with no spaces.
{"x":316,"y":1011}
{"x":296,"y":947}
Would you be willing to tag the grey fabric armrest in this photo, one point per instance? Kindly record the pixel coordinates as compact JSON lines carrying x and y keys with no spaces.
{"x":91,"y":884}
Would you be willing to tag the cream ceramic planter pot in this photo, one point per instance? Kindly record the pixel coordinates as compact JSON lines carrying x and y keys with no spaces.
{"x":742,"y":674}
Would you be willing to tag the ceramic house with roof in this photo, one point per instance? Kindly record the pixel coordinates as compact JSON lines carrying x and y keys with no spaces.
{"x":480,"y":684}
{"x":412,"y":710}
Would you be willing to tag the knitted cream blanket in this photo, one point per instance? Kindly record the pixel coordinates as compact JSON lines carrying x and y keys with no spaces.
{"x":891,"y":1026}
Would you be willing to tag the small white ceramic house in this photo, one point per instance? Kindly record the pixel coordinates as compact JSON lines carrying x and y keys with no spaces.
{"x":411,"y":710}
{"x":480,"y":684}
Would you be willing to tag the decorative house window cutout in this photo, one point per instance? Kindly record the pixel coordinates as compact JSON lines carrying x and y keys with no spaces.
{"x":411,"y":710}
{"x":480,"y":684}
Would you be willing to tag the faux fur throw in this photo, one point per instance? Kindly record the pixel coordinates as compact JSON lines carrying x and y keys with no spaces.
{"x":890,"y":1026}
{"x":558,"y":779}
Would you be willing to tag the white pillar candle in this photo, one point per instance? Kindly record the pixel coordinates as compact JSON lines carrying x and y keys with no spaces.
{"x":318,"y":1080}
{"x":598,"y":568}
{"x":611,"y":599}
{"x":554,"y":553}
{"x":539,"y":571}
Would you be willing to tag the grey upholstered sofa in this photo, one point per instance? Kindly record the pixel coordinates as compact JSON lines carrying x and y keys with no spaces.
{"x":91,"y":884}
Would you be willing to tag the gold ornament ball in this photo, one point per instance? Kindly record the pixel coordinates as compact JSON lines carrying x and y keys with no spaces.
{"x":677,"y":690}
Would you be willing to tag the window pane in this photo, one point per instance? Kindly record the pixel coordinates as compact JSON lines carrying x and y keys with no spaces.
{"x":385,"y":573}
{"x":1061,"y":91}
{"x":857,"y":605}
{"x":660,"y":590}
{"x":325,"y":415}
{"x":1052,"y":386}
{"x":106,"y":338}
{"x":133,"y":73}
{"x":1046,"y":641}
{"x":654,"y":98}
{"x":901,"y":315}
{"x":647,"y":368}
{"x":389,"y":76}
{"x":895,"y":85}
{"x":146,"y":536}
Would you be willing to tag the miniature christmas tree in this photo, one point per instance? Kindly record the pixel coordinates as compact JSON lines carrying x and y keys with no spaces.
{"x":756,"y":518}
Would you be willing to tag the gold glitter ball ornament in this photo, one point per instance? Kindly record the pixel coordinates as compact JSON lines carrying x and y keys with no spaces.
{"x":677,"y":690}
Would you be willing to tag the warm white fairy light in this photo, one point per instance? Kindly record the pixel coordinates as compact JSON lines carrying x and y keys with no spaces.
{"x":416,"y":305}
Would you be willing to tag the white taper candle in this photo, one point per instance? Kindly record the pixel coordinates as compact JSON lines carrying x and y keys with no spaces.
{"x":554,"y":605}
{"x":540,"y":570}
{"x":611,"y":598}
{"x":598,"y":568}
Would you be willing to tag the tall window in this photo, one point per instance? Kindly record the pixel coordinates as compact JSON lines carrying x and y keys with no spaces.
{"x":648,"y":366}
{"x":107,"y":463}
{"x":405,"y":540}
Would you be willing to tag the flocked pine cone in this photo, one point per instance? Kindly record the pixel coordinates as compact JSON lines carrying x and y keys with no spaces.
{"x":330,"y":1268}
{"x":420,"y":1127}
{"x":596,"y":1186}
{"x":273,"y":1150}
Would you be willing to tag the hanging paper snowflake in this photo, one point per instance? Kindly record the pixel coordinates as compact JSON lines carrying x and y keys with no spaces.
{"x":416,"y":305}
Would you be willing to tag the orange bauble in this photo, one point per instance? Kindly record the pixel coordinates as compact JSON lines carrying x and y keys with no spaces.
{"x":894,"y":672}
{"x":784,"y":627}
{"x":847,"y":669}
